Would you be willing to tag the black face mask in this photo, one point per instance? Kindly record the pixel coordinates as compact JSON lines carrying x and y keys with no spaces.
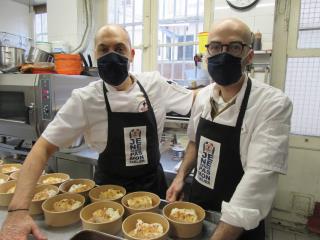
{"x":224,"y":68}
{"x":113,"y":68}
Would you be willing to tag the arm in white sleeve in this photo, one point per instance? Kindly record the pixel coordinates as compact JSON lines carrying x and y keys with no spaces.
{"x":69,"y":122}
{"x":266,"y":158}
{"x":176,"y":98}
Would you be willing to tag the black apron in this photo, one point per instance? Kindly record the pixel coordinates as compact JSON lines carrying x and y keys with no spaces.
{"x":229,"y":169}
{"x":113,"y":165}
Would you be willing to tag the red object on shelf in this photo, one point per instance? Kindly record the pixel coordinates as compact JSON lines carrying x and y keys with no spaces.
{"x":314,"y":221}
{"x":42,"y":71}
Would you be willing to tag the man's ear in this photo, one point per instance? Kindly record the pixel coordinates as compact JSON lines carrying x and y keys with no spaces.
{"x":132,"y":53}
{"x":250,"y":57}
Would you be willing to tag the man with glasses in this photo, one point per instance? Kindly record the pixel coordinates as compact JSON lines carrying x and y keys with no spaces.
{"x":238,"y":134}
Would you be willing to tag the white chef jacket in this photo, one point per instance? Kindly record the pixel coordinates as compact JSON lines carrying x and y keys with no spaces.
{"x":85,"y":111}
{"x":263,"y":147}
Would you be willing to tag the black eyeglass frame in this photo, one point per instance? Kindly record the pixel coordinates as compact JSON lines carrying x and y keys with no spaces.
{"x":226,"y":45}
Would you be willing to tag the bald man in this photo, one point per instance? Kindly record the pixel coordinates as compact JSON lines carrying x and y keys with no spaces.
{"x":238,"y":138}
{"x":121,"y":116}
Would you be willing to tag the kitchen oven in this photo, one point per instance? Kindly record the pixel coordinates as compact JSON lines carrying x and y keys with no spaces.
{"x":28,"y":102}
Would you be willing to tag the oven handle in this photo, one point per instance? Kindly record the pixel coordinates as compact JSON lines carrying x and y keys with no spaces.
{"x":29,"y":112}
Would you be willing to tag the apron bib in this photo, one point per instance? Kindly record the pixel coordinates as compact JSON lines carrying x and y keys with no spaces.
{"x":132,"y":158}
{"x":219,"y":168}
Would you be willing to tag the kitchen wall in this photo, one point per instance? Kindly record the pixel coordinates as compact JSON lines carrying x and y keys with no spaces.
{"x":259,"y":18}
{"x":67,"y":23}
{"x":21,"y":23}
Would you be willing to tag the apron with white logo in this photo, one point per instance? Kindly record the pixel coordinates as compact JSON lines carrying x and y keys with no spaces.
{"x":132,"y":158}
{"x":219,"y":168}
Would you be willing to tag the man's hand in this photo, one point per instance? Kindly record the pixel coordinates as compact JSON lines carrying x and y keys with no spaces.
{"x":174,"y":192}
{"x":18,"y":225}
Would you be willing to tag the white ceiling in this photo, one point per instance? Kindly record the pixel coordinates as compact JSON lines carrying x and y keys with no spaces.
{"x":31,"y":2}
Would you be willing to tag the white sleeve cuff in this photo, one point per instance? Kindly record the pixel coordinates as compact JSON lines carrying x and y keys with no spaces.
{"x":240,"y":217}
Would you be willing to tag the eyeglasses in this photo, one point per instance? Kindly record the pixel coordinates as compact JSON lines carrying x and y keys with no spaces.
{"x":233,"y":48}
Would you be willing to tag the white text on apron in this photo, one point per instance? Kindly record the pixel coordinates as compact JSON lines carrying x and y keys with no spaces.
{"x":135,"y":145}
{"x":207,"y":162}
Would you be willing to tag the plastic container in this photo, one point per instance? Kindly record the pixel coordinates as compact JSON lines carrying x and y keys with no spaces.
{"x":60,"y":47}
{"x":203,"y":40}
{"x":70,"y":64}
{"x":44,"y":46}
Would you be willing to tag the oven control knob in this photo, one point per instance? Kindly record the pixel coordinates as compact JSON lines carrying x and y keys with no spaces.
{"x":46,"y":109}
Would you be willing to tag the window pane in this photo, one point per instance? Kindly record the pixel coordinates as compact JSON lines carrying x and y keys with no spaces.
{"x":303,"y":87}
{"x":179,"y":23}
{"x":309,"y":26}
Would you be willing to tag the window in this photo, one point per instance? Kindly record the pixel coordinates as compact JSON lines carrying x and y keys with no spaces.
{"x":41,"y":27}
{"x":129,"y":13}
{"x":179,"y":21}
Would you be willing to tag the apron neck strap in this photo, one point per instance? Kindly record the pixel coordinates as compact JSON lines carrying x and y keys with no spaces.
{"x":105,"y":90}
{"x":244,"y":104}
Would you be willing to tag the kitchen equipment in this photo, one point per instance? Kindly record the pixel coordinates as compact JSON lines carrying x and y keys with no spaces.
{"x":60,"y":47}
{"x":37,"y":55}
{"x":28,"y":102}
{"x":89,"y":70}
{"x":11,"y":58}
{"x":178,"y":152}
{"x":94,"y":235}
{"x":70,"y":64}
{"x":257,"y":44}
{"x":44,"y":46}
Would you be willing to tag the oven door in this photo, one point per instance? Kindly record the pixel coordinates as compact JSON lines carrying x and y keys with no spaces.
{"x":17,"y":107}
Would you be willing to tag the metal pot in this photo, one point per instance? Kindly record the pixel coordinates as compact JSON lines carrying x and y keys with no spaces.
{"x":11,"y":58}
{"x":37,"y":55}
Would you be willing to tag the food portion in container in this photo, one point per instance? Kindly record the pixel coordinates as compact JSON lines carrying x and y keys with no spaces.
{"x":77,"y":188}
{"x":184,"y":215}
{"x":53,"y":180}
{"x":2,"y":180}
{"x":110,"y":194}
{"x":44,"y":194}
{"x":104,"y":215}
{"x":66,"y":204}
{"x":12,"y":189}
{"x":146,"y":230}
{"x":140,"y":202}
{"x":9,"y":169}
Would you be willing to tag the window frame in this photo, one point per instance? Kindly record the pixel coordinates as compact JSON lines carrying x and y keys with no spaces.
{"x":150,"y":34}
{"x":286,"y":26}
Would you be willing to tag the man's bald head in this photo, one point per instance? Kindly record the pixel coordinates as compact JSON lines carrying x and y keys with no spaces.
{"x":114,"y":38}
{"x":112,"y":29}
{"x":231,"y":29}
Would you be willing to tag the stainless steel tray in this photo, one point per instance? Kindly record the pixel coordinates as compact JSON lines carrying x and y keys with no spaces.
{"x":209,"y":224}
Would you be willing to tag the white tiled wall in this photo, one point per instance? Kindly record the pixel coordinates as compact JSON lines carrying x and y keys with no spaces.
{"x":260,"y":17}
{"x":21,"y":23}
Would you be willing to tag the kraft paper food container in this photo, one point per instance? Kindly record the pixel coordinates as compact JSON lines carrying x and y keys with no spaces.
{"x":63,"y":176}
{"x":36,"y":205}
{"x":4,"y":168}
{"x":4,"y":177}
{"x":112,"y":227}
{"x":60,"y":219}
{"x":64,"y":187}
{"x":184,"y":230}
{"x":95,"y":192}
{"x":155,"y":202}
{"x":5,"y":198}
{"x":130,"y":222}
